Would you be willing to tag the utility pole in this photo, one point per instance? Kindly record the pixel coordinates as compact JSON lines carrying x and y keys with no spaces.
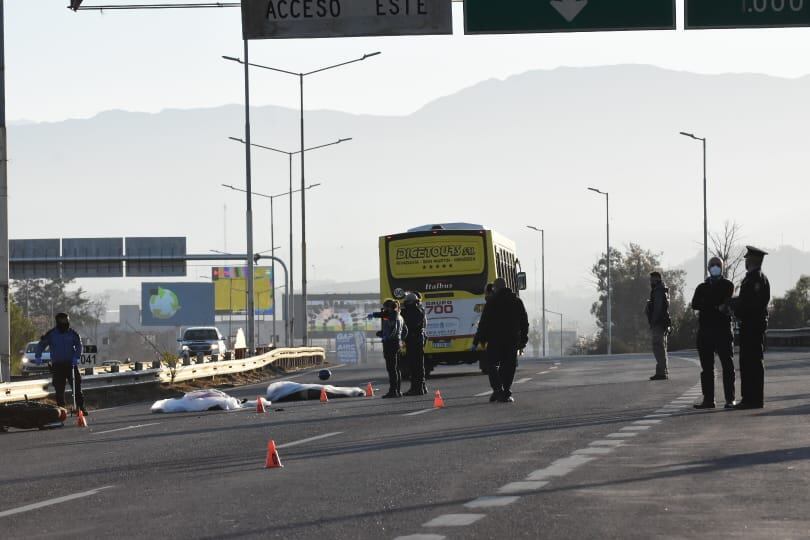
{"x":5,"y":320}
{"x":251,"y":337}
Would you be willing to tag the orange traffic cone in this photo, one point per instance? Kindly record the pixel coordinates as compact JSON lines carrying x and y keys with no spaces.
{"x":81,"y":421}
{"x":369,"y":390}
{"x":272,"y":461}
{"x":260,"y":405}
{"x":438,"y":402}
{"x":324,"y":397}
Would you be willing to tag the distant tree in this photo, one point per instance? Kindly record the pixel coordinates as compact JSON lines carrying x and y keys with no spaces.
{"x":793,"y":309}
{"x":630,"y":276}
{"x":536,"y":335}
{"x":726,"y":247}
{"x":41,"y":299}
{"x":23,"y":330}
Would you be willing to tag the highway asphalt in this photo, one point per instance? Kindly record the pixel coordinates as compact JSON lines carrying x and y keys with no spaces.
{"x":590,"y":449}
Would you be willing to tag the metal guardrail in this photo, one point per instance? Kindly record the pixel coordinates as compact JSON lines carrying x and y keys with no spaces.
{"x":283,"y":358}
{"x":794,"y":337}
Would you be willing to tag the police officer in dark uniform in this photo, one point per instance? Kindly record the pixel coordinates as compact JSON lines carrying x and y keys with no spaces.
{"x":415,"y":321}
{"x":751,"y":310}
{"x":714,"y":333}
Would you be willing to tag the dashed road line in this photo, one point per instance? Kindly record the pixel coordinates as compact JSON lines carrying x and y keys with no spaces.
{"x":544,"y":372}
{"x":491,"y":502}
{"x":51,"y":502}
{"x":522,"y":381}
{"x":605,"y":442}
{"x":139,"y":426}
{"x":421,"y":537}
{"x":417,"y":413}
{"x":454,"y":520}
{"x":647,"y":422}
{"x":482,"y":394}
{"x":309,"y":440}
{"x":521,"y":487}
{"x":594,"y":451}
{"x":635,"y":428}
{"x":623,"y":435}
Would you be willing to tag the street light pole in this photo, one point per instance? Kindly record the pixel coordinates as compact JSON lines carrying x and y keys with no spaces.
{"x":301,"y":76}
{"x":609,"y":321}
{"x":290,"y":295}
{"x":251,"y":337}
{"x":288,"y":338}
{"x":543,"y":280}
{"x":705,"y":205}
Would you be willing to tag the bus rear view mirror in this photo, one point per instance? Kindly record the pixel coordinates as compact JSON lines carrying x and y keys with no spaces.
{"x":521,"y":281}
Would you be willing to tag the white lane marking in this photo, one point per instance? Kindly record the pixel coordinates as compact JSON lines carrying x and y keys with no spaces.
{"x":558,"y":468}
{"x":482,"y":394}
{"x":635,"y":428}
{"x":668,"y":412}
{"x":454,"y":520}
{"x":594,"y":451}
{"x":491,"y":502}
{"x":417,"y":413}
{"x":521,"y":381}
{"x":124,"y":428}
{"x":544,"y":372}
{"x":521,"y":487}
{"x":311,"y":439}
{"x":658,"y":415}
{"x":646,"y":422}
{"x":624,"y":435}
{"x":51,"y":502}
{"x":421,"y":537}
{"x":604,"y":442}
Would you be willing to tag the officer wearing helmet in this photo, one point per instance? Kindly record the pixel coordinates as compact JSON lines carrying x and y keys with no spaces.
{"x":65,"y":347}
{"x":415,"y":321}
{"x":714,"y":333}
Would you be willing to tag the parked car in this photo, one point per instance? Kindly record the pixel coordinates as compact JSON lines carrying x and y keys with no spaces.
{"x":206,"y":340}
{"x":29,"y":365}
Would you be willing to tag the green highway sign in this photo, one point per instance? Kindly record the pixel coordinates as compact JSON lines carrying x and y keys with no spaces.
{"x":746,"y":13}
{"x":531,"y":16}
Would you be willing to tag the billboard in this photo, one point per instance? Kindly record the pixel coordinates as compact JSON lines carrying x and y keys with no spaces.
{"x":332,"y":314}
{"x":177,"y":304}
{"x":230,"y":289}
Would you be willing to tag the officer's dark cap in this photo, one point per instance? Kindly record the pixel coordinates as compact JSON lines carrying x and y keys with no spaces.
{"x":754,"y":252}
{"x":62,"y":316}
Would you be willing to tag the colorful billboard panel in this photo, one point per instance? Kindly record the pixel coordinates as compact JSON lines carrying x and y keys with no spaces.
{"x":177,"y":304}
{"x":230,"y":289}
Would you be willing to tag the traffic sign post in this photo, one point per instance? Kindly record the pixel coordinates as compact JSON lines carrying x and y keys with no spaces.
{"x":706,"y":14}
{"x":521,"y":16}
{"x":275,"y":19}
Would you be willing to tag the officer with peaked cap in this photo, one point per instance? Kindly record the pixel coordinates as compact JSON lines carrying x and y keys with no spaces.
{"x":751,"y":310}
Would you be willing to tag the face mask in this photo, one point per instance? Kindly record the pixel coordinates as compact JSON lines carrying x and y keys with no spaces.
{"x":715,"y":271}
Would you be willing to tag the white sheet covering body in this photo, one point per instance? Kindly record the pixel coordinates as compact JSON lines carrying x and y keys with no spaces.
{"x":202,"y":400}
{"x":289,"y":391}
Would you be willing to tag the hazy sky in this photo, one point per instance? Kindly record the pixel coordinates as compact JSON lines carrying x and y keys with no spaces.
{"x":62,"y":64}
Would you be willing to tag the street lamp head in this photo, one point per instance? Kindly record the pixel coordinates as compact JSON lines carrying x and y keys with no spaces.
{"x":597,"y":191}
{"x":369,"y":55}
{"x":232,"y":59}
{"x":237,"y":139}
{"x":532,"y":227}
{"x":347,"y":139}
{"x":313,"y":185}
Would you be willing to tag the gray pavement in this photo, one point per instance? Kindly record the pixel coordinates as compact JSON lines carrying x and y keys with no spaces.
{"x":591,"y":449}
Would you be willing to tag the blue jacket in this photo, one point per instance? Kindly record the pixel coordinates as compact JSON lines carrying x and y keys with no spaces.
{"x":64,"y":346}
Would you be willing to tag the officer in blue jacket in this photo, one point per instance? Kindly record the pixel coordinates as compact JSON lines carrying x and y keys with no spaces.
{"x":65,"y":347}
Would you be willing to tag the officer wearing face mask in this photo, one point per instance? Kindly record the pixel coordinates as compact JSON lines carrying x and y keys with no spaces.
{"x":751,"y":310}
{"x":714,"y":333}
{"x":65,"y":346}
